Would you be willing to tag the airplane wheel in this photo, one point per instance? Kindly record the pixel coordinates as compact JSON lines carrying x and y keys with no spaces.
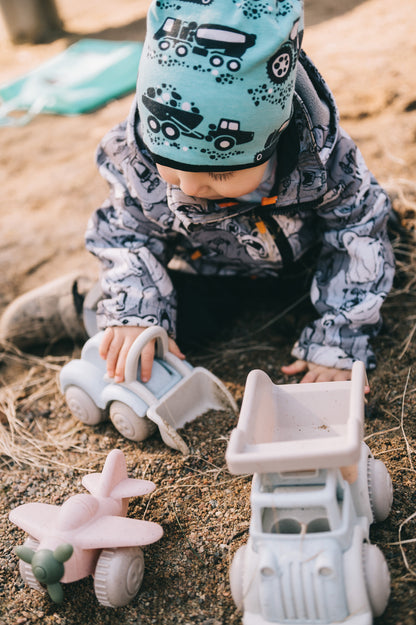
{"x":82,"y":406}
{"x":126,"y":421}
{"x":25,"y":568}
{"x":236,"y":577}
{"x":118,"y":576}
{"x":377,"y":578}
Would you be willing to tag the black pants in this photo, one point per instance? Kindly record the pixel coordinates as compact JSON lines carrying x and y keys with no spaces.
{"x":208,"y":306}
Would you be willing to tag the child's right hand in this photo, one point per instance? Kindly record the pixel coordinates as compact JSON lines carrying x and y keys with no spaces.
{"x":115,"y":345}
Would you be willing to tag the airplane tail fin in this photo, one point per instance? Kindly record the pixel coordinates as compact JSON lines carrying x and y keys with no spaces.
{"x":113,"y":481}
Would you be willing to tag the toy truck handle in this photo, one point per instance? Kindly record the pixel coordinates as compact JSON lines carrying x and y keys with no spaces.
{"x":158,"y":334}
{"x":153,"y":333}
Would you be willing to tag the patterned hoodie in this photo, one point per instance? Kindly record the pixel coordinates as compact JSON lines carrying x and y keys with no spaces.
{"x":317,"y":189}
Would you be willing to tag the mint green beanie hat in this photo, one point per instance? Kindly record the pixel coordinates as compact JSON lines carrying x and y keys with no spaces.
{"x":216,"y":80}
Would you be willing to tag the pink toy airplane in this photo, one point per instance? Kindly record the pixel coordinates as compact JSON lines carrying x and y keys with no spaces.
{"x":90,"y":534}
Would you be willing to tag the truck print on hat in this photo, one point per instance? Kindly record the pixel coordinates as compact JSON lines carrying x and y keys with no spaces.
{"x":231,"y":88}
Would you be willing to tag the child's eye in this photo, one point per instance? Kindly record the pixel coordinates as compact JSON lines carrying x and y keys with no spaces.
{"x":220,"y":176}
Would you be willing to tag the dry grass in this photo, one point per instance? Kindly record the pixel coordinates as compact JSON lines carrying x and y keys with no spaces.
{"x":29,"y":439}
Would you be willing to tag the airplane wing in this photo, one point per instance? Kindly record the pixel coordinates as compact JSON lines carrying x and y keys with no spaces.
{"x":37,"y":519}
{"x":92,"y":482}
{"x":129,"y":487}
{"x":113,"y":531}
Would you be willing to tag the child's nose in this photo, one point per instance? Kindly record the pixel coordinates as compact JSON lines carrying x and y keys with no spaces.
{"x":190,"y":184}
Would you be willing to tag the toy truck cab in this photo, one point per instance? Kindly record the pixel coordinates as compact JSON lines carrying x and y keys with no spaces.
{"x":316,"y":489}
{"x":228,"y":134}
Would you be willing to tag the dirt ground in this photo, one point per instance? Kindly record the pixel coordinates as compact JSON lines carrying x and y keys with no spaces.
{"x":367,"y":52}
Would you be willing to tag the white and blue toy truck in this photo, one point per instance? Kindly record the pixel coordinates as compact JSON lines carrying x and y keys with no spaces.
{"x":176,"y":393}
{"x":316,"y":490}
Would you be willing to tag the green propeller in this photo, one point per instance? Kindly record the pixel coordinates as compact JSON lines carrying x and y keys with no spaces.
{"x":47,"y":567}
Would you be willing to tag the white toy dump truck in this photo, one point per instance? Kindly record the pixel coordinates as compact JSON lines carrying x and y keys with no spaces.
{"x":316,"y":489}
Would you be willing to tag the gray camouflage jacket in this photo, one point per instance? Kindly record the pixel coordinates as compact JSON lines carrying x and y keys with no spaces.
{"x":322,"y":191}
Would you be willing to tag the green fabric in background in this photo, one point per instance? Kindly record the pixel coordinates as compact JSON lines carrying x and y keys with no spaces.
{"x":84,"y":77}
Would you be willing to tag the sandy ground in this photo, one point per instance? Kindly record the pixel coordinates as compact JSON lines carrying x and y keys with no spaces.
{"x":367,"y":52}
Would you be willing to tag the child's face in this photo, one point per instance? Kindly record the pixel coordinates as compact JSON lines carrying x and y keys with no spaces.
{"x":214,"y":185}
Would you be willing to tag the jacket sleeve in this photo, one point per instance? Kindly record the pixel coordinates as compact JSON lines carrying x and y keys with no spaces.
{"x":356,"y":265}
{"x":132,"y":246}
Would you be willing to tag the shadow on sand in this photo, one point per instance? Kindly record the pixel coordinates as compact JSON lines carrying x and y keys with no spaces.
{"x":317,"y":11}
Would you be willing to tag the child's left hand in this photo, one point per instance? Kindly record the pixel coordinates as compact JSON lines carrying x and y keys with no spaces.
{"x":318,"y":373}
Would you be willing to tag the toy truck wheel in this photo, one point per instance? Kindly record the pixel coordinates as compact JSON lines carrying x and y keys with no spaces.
{"x":216,"y":60}
{"x":380,"y":489}
{"x":170,"y":131}
{"x":126,"y":421}
{"x":234,"y":65}
{"x":236,"y":577}
{"x":25,"y":568}
{"x":224,"y":143}
{"x":153,"y":123}
{"x":181,"y":51}
{"x":377,"y":578}
{"x":82,"y":406}
{"x":118,"y":576}
{"x":280,"y":64}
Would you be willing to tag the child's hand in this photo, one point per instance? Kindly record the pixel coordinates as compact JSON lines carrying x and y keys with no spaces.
{"x":115,"y":345}
{"x":318,"y":373}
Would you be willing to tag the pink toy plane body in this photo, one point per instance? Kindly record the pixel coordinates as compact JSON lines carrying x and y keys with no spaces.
{"x":91,"y":522}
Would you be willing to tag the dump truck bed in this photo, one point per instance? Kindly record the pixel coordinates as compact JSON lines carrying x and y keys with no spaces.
{"x":292,"y":427}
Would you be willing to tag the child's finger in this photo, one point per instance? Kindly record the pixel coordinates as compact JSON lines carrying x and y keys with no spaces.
{"x":312,"y":376}
{"x":299,"y":366}
{"x":106,"y":342}
{"x":121,"y":360}
{"x":146,"y":361}
{"x":113,"y":352}
{"x":175,"y":349}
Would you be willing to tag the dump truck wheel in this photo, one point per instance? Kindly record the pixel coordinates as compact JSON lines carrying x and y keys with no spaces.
{"x":380,"y":489}
{"x":153,"y":123}
{"x":170,"y":131}
{"x":377,"y":578}
{"x":236,"y":577}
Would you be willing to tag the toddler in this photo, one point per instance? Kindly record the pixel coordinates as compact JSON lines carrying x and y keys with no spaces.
{"x":232,"y":163}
